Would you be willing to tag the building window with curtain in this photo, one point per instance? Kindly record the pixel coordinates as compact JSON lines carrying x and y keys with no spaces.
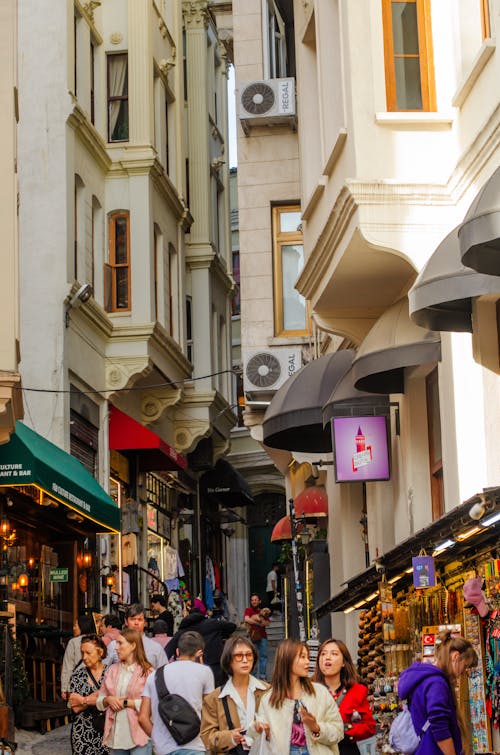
{"x":117,"y":270}
{"x":409,"y":69}
{"x":278,"y":33}
{"x":118,"y":97}
{"x":290,"y":309}
{"x":435,"y":446}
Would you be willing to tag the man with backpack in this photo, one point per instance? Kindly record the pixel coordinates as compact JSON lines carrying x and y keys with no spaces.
{"x":188,"y":678}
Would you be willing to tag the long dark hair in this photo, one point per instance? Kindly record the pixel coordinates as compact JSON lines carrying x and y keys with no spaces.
{"x":348,"y":674}
{"x":281,"y":684}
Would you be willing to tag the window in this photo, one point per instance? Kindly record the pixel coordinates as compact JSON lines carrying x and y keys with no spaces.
{"x":79,"y":226}
{"x":435,"y":449}
{"x":189,"y":328}
{"x":92,"y":83}
{"x":118,"y":98}
{"x":288,"y":251}
{"x":117,"y":271}
{"x":236,"y":301}
{"x":485,"y":18}
{"x":408,"y":55}
{"x":279,"y":57}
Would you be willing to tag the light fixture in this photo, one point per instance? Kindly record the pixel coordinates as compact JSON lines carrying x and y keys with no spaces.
{"x":443,"y":546}
{"x":490,"y":520}
{"x":109,"y":581}
{"x":468,"y":533}
{"x":81,"y":296}
{"x":350,"y":609}
{"x":409,"y":570}
{"x":372,"y":596}
{"x":22,"y":581}
{"x":360,"y":603}
{"x":396,"y":578}
{"x":87,"y":559}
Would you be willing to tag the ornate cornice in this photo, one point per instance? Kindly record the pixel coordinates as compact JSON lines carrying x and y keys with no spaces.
{"x":90,"y":137}
{"x":90,"y":7}
{"x":196,"y":13}
{"x":155,"y":402}
{"x":124,"y":372}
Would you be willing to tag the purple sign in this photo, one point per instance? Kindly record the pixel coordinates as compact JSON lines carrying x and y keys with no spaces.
{"x":423,"y":572}
{"x":361,"y":450}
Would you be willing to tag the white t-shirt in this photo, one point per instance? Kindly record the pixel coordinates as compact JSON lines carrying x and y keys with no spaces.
{"x":191,"y":680}
{"x":272,"y":577}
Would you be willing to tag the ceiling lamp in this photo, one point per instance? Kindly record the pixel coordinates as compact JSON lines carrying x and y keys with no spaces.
{"x":311,"y":502}
{"x":283,"y":529}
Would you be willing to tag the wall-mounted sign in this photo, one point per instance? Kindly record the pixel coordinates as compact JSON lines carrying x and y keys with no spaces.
{"x":361,"y":449}
{"x":58,"y":574}
{"x":152,"y":515}
{"x":424,"y":574}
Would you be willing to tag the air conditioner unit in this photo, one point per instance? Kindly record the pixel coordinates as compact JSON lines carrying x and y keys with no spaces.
{"x":266,"y":370}
{"x":266,"y":102}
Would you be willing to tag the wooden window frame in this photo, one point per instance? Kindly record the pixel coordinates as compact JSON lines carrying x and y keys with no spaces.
{"x":281,"y":239}
{"x":425,"y":55}
{"x":111,"y":266}
{"x":115,"y":98}
{"x":484,"y":7}
{"x":435,"y":465}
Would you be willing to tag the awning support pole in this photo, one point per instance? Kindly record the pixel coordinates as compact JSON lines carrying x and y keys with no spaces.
{"x":298,"y":586}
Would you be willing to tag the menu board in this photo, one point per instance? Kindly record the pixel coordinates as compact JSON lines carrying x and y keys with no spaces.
{"x":481,"y":736}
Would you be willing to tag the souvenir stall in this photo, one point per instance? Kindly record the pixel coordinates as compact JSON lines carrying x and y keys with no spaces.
{"x":451,"y":582}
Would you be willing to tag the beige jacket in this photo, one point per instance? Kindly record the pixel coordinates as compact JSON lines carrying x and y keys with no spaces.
{"x":321,"y":705}
{"x":214,"y":729}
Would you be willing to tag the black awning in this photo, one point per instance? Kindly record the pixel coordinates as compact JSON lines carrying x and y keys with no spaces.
{"x":347,"y":401}
{"x":395,"y":561}
{"x":479,"y":234}
{"x":441,"y":297}
{"x":225,"y":485}
{"x":294,"y":419}
{"x":393,"y":344}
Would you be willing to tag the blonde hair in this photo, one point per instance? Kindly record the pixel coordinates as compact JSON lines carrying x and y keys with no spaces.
{"x":133,"y":636}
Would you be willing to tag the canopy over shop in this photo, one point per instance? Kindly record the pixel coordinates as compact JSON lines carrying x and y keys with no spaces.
{"x":51,"y":510}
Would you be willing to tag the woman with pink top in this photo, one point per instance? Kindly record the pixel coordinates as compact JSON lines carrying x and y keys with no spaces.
{"x":120,"y":697}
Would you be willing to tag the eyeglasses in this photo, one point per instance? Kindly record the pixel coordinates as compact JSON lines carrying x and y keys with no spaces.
{"x":243,"y":656}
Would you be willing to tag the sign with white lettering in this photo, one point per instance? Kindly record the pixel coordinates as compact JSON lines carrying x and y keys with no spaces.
{"x":58,"y":574}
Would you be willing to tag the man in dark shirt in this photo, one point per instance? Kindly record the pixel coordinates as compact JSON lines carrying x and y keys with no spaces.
{"x":214,"y":631}
{"x":158,"y":604}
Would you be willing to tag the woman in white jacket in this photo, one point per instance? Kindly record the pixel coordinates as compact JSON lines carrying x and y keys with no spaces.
{"x":298,"y":716}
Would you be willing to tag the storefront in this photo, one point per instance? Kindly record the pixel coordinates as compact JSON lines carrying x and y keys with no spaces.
{"x":414,"y":591}
{"x":51,"y":510}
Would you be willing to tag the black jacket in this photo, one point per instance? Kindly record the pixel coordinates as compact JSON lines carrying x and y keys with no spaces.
{"x":167,"y":617}
{"x":213,"y":631}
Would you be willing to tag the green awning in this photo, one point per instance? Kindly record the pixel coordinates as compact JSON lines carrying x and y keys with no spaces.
{"x":30,"y":459}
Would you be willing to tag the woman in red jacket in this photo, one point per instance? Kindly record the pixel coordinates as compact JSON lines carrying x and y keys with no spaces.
{"x":335,"y":669}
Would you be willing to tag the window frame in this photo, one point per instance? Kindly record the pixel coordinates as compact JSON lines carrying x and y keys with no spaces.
{"x":484,"y":8}
{"x":281,"y":239}
{"x":111,"y":266}
{"x":425,"y":55}
{"x":116,"y":98}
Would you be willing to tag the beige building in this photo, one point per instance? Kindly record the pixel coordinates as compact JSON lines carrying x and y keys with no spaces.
{"x":11,"y":405}
{"x":126,"y":262}
{"x":397,"y":134}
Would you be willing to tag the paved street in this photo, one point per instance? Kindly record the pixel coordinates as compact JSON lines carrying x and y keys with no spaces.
{"x":56,"y":742}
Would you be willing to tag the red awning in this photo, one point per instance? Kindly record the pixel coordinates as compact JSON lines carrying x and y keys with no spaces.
{"x":312,"y":501}
{"x":128,"y":435}
{"x":283,"y":529}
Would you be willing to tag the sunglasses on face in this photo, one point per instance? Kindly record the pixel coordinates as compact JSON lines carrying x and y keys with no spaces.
{"x":243,"y":656}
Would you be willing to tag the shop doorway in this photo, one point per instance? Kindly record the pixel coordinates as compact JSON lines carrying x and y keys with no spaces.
{"x":261,"y":518}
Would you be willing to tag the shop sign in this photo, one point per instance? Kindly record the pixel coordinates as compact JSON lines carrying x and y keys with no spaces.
{"x":152,"y":515}
{"x":58,"y":574}
{"x":424,"y":573}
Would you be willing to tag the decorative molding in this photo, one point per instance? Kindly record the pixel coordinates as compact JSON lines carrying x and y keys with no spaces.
{"x":90,"y":137}
{"x":90,"y":7}
{"x":154,"y":403}
{"x":466,"y":85}
{"x":166,"y":64}
{"x":116,"y":37}
{"x":196,"y":13}
{"x":412,"y":120}
{"x":124,"y":372}
{"x":336,"y":152}
{"x":189,"y":432}
{"x":314,"y":198}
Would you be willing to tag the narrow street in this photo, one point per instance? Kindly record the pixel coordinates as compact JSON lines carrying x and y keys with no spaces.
{"x":55,"y":742}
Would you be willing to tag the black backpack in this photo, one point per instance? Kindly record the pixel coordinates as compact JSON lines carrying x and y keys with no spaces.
{"x":177,"y":714}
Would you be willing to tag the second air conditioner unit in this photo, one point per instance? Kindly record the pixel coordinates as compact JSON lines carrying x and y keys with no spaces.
{"x":265,"y":370}
{"x":267,"y":102}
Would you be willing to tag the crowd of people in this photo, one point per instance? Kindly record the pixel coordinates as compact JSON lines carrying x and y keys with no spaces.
{"x":117,"y":686}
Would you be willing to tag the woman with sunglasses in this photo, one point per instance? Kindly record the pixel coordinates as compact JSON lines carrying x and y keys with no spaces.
{"x":229,"y":710}
{"x":335,"y":669}
{"x":120,"y":696}
{"x":299,"y":716}
{"x":84,"y":685}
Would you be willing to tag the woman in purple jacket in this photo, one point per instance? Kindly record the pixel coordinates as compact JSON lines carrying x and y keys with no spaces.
{"x":430,"y":693}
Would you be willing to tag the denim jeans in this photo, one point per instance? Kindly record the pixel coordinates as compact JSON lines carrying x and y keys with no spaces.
{"x":261,"y":646}
{"x":298,"y":750}
{"x":143,"y":750}
{"x":186,"y":752}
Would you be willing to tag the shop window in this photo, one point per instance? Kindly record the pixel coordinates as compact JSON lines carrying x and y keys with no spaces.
{"x":435,"y":447}
{"x":290,"y":310}
{"x":84,"y":442}
{"x":118,"y":98}
{"x":117,"y":270}
{"x":408,"y":55}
